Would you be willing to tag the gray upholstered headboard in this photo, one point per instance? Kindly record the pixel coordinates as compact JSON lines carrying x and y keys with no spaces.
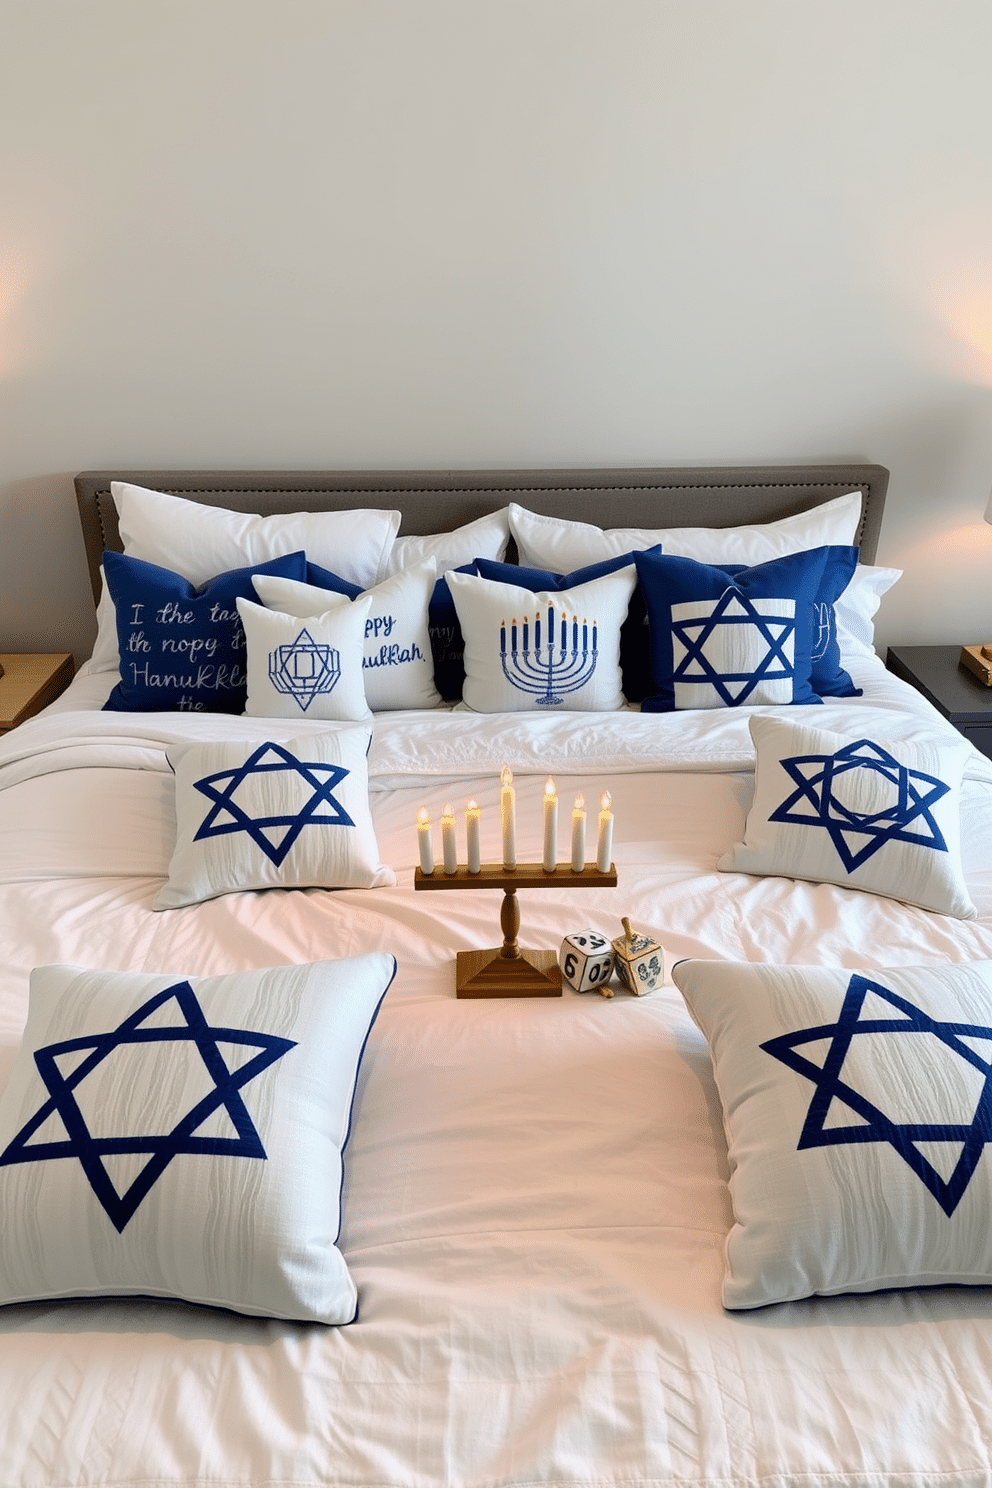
{"x":439,"y":500}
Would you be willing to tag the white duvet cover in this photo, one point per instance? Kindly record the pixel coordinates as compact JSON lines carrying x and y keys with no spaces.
{"x":536,"y":1199}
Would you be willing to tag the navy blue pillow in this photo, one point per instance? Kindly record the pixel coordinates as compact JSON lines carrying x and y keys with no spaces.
{"x":827,"y":677}
{"x":722,"y":640}
{"x":183,"y":648}
{"x":322,"y":578}
{"x":635,"y":648}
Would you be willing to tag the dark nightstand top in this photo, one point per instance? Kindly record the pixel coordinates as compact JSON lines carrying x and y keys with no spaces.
{"x":937,"y":673}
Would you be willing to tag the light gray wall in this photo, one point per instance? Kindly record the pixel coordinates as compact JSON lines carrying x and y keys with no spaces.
{"x":446,"y":232}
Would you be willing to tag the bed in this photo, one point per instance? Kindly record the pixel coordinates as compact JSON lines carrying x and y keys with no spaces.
{"x":534,"y":1193}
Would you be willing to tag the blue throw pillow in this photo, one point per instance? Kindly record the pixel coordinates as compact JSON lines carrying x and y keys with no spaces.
{"x":183,"y":648}
{"x":722,"y":640}
{"x":827,"y":677}
{"x":323,"y":578}
{"x":635,"y":649}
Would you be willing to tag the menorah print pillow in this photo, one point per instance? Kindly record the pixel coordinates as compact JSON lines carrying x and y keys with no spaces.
{"x":272,"y":813}
{"x":722,"y":640}
{"x":857,"y":1106}
{"x":554,"y":650}
{"x":308,"y":668}
{"x":182,"y":648}
{"x":177,"y":1136}
{"x":867,"y":813}
{"x":397,"y":662}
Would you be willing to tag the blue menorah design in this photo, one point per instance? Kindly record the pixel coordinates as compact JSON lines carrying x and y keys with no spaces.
{"x":550,"y":670}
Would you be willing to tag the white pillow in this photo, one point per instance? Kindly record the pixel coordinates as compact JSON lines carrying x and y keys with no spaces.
{"x":486,"y":537}
{"x":260,"y":814}
{"x":200,"y":541}
{"x":105,"y":656}
{"x":171,"y":1136}
{"x":881,"y":817}
{"x":854,"y":610}
{"x":856,"y":1106}
{"x":551,"y":542}
{"x":509,"y":665}
{"x":398,"y":662}
{"x":306,"y":669}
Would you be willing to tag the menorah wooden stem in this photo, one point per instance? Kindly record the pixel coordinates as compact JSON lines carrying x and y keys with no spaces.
{"x":507,"y":970}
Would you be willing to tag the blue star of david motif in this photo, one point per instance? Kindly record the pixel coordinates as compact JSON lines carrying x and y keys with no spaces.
{"x":91,"y":1151}
{"x":304,"y":669}
{"x":273,"y":834}
{"x":904,"y":815}
{"x":875,"y":1125}
{"x":772,"y":636}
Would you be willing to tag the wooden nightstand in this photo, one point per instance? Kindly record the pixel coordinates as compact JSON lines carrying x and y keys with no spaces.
{"x":937,"y":673}
{"x":31,"y":680}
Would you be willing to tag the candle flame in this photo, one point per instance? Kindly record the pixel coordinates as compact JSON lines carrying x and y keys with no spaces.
{"x":472,"y":806}
{"x":447,"y":810}
{"x":604,"y":804}
{"x":506,"y":777}
{"x":580,"y":803}
{"x":422,"y":817}
{"x":549,"y":787}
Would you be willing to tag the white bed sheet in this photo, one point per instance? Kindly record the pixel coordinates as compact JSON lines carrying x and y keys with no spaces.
{"x":536,"y":1199}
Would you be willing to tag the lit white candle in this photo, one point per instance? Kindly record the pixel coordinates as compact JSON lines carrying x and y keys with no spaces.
{"x":424,"y":842}
{"x":579,"y":835}
{"x":550,"y":826}
{"x":473,"y":836}
{"x":449,"y":845}
{"x":508,"y":817}
{"x":604,"y":842}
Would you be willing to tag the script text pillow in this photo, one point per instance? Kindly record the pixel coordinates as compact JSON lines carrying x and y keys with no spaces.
{"x":182,"y":648}
{"x":306,"y":668}
{"x":858,"y":1108}
{"x":197,"y":540}
{"x":552,"y":542}
{"x":867,"y":813}
{"x":268,"y":814}
{"x":178,"y":1136}
{"x":397,"y":662}
{"x":553,"y":649}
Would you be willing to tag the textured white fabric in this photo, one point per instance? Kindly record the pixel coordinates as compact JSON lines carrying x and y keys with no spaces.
{"x":398,"y":665}
{"x":856,"y":811}
{"x":250,"y":1226}
{"x":856,"y":1112}
{"x":856,"y":607}
{"x":554,"y":649}
{"x":552,"y":542}
{"x":486,"y":537}
{"x":306,"y":668}
{"x":199,"y":541}
{"x":264,"y":814}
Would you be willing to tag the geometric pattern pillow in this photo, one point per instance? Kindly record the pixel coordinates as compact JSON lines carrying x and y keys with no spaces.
{"x":398,"y":664}
{"x":261,"y":814}
{"x":869,"y":814}
{"x":172,"y":1136}
{"x":857,"y":1106}
{"x":545,"y":650}
{"x":306,"y":668}
{"x":725,"y":641}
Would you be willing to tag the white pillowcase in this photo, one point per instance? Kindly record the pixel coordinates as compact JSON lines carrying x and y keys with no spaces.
{"x":856,"y":1110}
{"x":306,"y":668}
{"x":486,"y":537}
{"x":509,"y":665}
{"x":398,"y":662}
{"x":878,"y":816}
{"x":229,"y":1101}
{"x":551,"y":542}
{"x":855,"y":609}
{"x":200,"y":541}
{"x":265,"y":814}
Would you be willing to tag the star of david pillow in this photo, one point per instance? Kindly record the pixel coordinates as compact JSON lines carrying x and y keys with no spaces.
{"x":857,"y":1107}
{"x":264,"y":815}
{"x":306,"y":668}
{"x":881,"y":817}
{"x":182,"y":648}
{"x":183,"y":1137}
{"x":398,"y":663}
{"x":721,"y":639}
{"x":526,"y":651}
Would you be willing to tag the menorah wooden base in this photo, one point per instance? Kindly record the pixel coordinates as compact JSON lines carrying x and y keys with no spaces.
{"x":508,"y":971}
